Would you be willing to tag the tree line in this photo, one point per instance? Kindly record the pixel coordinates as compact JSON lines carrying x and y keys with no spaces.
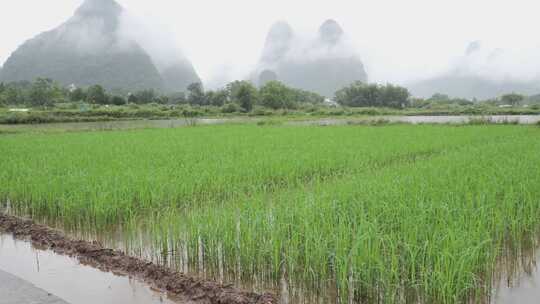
{"x":237,"y":96}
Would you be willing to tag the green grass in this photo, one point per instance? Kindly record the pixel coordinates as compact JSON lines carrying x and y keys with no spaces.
{"x":382,"y":213}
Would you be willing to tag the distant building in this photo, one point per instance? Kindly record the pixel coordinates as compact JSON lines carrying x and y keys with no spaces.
{"x":72,"y":87}
{"x":330,"y":102}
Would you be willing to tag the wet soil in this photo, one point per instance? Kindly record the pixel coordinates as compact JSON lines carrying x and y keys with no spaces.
{"x":95,"y":255}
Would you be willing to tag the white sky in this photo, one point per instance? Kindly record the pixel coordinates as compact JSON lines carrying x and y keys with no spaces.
{"x":398,"y":40}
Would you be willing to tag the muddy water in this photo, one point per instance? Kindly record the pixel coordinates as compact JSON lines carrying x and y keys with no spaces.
{"x":71,"y":281}
{"x":121,"y":125}
{"x":525,"y":289}
{"x":66,"y":278}
{"x":462,"y":119}
{"x":176,"y":123}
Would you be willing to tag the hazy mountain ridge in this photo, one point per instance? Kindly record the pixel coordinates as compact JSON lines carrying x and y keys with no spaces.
{"x":470,"y":86}
{"x":87,"y":49}
{"x":323,"y":66}
{"x":476,"y":75}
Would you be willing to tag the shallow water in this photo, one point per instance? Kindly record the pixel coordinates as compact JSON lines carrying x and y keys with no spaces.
{"x":176,"y":123}
{"x":447,"y":119}
{"x":75,"y":283}
{"x":67,"y":279}
{"x":119,"y":125}
{"x":523,"y":290}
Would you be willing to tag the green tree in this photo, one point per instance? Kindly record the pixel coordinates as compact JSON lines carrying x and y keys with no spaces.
{"x":441,"y":98}
{"x":233,"y":87}
{"x":3,"y":99}
{"x":512,"y":99}
{"x":118,"y":100}
{"x":307,"y":97}
{"x":360,"y":94}
{"x":163,"y":99}
{"x":355,"y":95}
{"x":96,"y":94}
{"x":42,"y":92}
{"x":146,"y":96}
{"x":245,"y":96}
{"x":220,"y":98}
{"x":178,"y":98}
{"x":196,"y":94}
{"x":77,"y":95}
{"x":276,"y":95}
{"x":13,"y":95}
{"x":393,"y":96}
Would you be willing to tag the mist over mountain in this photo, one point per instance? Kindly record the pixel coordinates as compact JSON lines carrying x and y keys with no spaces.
{"x":481,"y":73}
{"x":92,"y":48}
{"x":323,"y":65}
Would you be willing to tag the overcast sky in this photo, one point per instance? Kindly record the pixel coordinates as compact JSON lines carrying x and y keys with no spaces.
{"x":398,"y":40}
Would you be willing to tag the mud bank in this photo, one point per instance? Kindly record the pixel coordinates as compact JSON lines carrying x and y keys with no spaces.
{"x":93,"y":254}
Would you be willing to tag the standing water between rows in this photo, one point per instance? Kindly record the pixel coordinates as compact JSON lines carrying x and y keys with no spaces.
{"x":66,"y":278}
{"x":176,"y":123}
{"x":71,"y":281}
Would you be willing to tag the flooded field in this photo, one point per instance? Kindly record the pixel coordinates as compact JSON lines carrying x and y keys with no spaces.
{"x":522,"y":288}
{"x":177,"y":123}
{"x":83,"y":284}
{"x":68,"y":279}
{"x":121,"y":124}
{"x":338,"y":214}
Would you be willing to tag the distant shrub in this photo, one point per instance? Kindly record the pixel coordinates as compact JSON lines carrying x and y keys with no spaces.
{"x":269,"y":123}
{"x":368,"y":111}
{"x":507,"y":121}
{"x":230,"y":108}
{"x":40,"y":118}
{"x":371,"y":122}
{"x":190,"y":112}
{"x":260,"y":111}
{"x":118,"y":100}
{"x":336,"y":112}
{"x":480,"y":121}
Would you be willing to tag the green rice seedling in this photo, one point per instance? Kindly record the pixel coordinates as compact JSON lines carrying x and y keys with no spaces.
{"x":387,"y":214}
{"x":432,"y":229}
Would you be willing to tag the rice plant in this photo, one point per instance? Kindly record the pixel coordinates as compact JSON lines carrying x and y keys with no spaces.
{"x":389,"y":214}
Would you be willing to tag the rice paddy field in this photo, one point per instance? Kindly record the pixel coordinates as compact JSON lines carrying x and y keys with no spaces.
{"x":349,"y":214}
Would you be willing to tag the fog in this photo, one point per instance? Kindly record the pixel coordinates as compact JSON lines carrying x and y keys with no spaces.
{"x":398,"y":41}
{"x":154,"y":37}
{"x":305,"y":46}
{"x":497,"y":64}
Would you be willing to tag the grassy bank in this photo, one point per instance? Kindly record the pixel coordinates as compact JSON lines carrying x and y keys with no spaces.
{"x":95,"y":113}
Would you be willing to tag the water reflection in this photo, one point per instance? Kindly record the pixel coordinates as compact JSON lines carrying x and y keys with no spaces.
{"x":71,"y":281}
{"x":517,"y":279}
{"x":176,"y":123}
{"x":520,"y":284}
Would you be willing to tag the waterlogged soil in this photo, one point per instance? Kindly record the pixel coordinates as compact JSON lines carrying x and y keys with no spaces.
{"x":523,"y":289}
{"x":67,"y":279}
{"x":177,"y":123}
{"x":426,"y":119}
{"x":181,"y":288}
{"x":82,"y":272}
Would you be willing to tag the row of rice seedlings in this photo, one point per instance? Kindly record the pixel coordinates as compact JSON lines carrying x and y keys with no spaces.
{"x":431,"y":231}
{"x":91,"y":179}
{"x":349,"y":230}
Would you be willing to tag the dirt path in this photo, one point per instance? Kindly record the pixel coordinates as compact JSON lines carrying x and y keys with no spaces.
{"x":93,"y":254}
